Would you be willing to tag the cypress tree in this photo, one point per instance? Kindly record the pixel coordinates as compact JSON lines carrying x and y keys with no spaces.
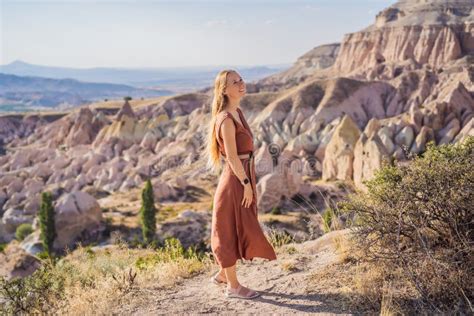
{"x":148,"y":213}
{"x":46,"y":221}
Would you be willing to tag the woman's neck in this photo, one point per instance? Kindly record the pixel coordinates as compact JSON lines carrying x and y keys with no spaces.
{"x":233,"y":105}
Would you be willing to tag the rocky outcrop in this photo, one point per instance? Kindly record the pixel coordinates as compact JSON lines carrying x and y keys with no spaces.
{"x":17,"y":263}
{"x":283,"y":183}
{"x":11,"y":219}
{"x":369,"y":153}
{"x":59,"y":130}
{"x":409,"y":34}
{"x":125,"y":110}
{"x":77,"y":215}
{"x":318,"y":58}
{"x":339,"y":155}
{"x":85,"y":128}
{"x":414,"y":108}
{"x":17,"y":128}
{"x":426,"y":135}
{"x":128,"y":129}
{"x":175,"y":106}
{"x":468,"y":130}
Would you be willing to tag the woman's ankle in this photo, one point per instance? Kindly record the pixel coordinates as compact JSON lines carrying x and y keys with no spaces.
{"x":233,"y":286}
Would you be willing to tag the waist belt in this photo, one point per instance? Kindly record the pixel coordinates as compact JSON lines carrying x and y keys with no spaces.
{"x":241,"y":156}
{"x":248,"y":155}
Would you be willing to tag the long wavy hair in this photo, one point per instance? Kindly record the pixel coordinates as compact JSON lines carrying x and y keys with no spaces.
{"x":219,"y":102}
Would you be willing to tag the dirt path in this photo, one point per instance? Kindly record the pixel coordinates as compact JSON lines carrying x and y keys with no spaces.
{"x":283,"y":284}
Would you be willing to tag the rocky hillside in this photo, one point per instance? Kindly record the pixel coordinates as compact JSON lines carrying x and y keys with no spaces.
{"x":408,"y":35}
{"x":318,"y":58}
{"x":333,"y":118}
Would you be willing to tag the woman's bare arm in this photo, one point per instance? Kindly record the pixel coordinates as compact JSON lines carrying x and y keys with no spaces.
{"x":230,"y":146}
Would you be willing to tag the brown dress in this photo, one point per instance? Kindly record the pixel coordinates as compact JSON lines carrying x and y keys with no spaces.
{"x":236,"y":232}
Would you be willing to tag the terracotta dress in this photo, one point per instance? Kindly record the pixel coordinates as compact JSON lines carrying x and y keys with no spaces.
{"x":236,"y":232}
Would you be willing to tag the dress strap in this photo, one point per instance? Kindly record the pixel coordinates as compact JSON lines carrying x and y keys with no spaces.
{"x":221,"y":117}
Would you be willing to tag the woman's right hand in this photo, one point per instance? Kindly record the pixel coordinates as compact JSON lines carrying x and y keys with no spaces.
{"x":248,"y":195}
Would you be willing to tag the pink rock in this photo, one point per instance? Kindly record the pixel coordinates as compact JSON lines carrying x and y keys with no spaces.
{"x":339,"y":154}
{"x":76,"y":213}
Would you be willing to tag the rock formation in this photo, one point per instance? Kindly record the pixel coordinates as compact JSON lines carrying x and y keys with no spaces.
{"x":409,"y":34}
{"x":318,"y":58}
{"x":369,"y":153}
{"x":340,"y":151}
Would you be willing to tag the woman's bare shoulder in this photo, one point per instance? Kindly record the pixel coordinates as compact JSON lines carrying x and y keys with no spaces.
{"x":224,"y":122}
{"x":220,"y":117}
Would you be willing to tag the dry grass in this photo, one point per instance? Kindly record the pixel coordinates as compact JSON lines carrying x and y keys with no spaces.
{"x":289,"y":266}
{"x":278,"y":238}
{"x":363,"y":286}
{"x":96,"y":282}
{"x":344,"y":248}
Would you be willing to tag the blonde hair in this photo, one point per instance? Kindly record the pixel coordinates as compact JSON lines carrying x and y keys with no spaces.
{"x":219,"y":102}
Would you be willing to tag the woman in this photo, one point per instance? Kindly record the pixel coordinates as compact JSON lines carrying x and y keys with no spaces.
{"x":236,"y":232}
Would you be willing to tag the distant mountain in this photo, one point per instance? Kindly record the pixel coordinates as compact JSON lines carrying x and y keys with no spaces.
{"x":177,"y":79}
{"x":19,"y":93}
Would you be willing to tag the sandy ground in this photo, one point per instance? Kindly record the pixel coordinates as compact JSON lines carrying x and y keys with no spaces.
{"x":283,"y":283}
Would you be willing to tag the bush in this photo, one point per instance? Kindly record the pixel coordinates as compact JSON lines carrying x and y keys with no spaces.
{"x":275,"y":210}
{"x":23,"y":230}
{"x":34,"y":294}
{"x":279,"y":238}
{"x":418,"y":218}
{"x":171,"y":251}
{"x":328,"y":216}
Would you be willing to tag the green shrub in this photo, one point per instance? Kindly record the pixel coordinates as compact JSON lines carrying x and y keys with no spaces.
{"x":33,"y":294}
{"x":23,"y":230}
{"x":171,"y":251}
{"x":279,"y":238}
{"x":291,"y":250}
{"x":328,"y":216}
{"x":419,"y":218}
{"x":276,"y":210}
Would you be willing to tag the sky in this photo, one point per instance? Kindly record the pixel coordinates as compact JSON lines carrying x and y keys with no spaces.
{"x":152,"y":33}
